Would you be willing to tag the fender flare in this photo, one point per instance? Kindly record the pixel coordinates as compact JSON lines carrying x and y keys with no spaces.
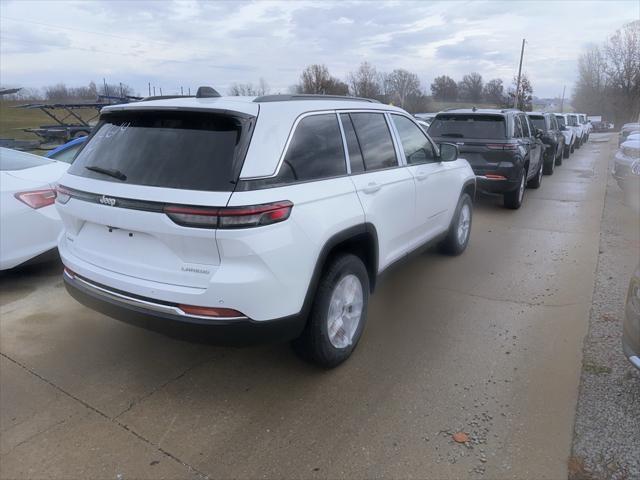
{"x":333,"y":241}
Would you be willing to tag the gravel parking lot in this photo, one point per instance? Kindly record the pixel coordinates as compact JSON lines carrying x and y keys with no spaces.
{"x":488,"y":343}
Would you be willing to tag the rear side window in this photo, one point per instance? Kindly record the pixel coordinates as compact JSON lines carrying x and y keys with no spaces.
{"x":468,"y":126}
{"x":417,"y":147}
{"x":315,"y":150}
{"x":16,"y":160}
{"x":538,"y":122}
{"x":517,"y":128}
{"x":375,"y":140}
{"x":186,"y":150}
{"x":355,"y":155}
{"x":67,"y":155}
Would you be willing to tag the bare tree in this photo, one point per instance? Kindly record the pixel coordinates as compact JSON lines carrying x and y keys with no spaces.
{"x":316,"y":79}
{"x":525,"y":95}
{"x":400,"y":85}
{"x":365,"y":82}
{"x":493,"y":92}
{"x":248,"y":89}
{"x":444,"y":88}
{"x":609,"y":77}
{"x":470,"y":87}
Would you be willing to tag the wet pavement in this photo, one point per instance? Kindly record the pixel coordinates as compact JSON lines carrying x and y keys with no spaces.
{"x":488,"y":343}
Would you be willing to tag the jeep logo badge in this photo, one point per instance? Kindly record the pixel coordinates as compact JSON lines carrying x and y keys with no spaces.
{"x":107,"y":201}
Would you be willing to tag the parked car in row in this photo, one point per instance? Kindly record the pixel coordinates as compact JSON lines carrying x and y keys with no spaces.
{"x":200,"y":214}
{"x":584,"y":122}
{"x":552,"y":137}
{"x":631,"y":325}
{"x":569,"y":135}
{"x":30,"y":222}
{"x":502,"y":146}
{"x":67,"y":151}
{"x":626,"y":130}
{"x":426,"y":117}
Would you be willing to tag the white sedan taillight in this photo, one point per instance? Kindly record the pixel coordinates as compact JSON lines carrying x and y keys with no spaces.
{"x":37,"y":198}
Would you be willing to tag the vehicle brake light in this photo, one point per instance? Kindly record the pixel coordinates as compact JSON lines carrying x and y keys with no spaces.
{"x":210,"y":311}
{"x":230,"y":217}
{"x":63,"y":195}
{"x":37,"y":198}
{"x":491,"y":176}
{"x":502,"y":146}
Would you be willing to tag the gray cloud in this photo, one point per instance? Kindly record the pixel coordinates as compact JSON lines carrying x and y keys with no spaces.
{"x":173,"y":43}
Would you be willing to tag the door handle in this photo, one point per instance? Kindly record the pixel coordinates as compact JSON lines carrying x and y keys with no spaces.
{"x":372,"y":187}
{"x":421,"y":176}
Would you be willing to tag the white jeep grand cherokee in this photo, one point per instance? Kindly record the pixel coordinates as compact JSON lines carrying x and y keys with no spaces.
{"x":255,"y":219}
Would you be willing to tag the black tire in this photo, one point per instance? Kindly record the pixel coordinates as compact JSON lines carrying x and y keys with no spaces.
{"x":536,"y":181}
{"x":566,"y":151}
{"x":549,"y":167}
{"x":314,"y":344}
{"x":79,"y":134}
{"x":513,"y":199}
{"x":573,"y":147}
{"x":454,"y":243}
{"x":578,"y":143}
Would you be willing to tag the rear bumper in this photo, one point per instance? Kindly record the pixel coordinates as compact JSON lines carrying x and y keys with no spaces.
{"x":496,"y":185}
{"x":156,"y":316}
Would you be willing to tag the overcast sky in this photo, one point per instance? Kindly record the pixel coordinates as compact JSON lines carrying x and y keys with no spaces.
{"x":191,"y":43}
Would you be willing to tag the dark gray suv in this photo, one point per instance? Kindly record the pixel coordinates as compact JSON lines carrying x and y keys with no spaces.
{"x":502,"y":146}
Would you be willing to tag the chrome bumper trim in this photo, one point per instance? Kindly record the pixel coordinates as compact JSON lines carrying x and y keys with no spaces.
{"x":635,"y":361}
{"x":136,"y":302}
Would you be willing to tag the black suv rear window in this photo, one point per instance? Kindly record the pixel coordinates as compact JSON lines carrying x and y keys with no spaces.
{"x":538,"y":122}
{"x":468,"y":126}
{"x":187,"y":150}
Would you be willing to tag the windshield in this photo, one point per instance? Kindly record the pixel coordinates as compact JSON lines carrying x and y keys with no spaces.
{"x":468,"y":126}
{"x":573,"y":121}
{"x":188,"y":150}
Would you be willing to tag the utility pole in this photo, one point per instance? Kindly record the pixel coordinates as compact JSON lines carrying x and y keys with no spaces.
{"x":517,"y":96}
{"x":149,"y":88}
{"x":562,"y":101}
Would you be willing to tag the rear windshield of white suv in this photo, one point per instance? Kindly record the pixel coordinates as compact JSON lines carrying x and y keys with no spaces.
{"x":186,"y":150}
{"x":16,"y":160}
{"x":468,"y":126}
{"x":538,"y":122}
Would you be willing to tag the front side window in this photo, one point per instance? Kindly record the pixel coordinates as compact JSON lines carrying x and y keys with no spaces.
{"x":315,"y":151}
{"x":552,"y":122}
{"x":375,"y":140}
{"x":560,"y":119}
{"x":417,"y":147}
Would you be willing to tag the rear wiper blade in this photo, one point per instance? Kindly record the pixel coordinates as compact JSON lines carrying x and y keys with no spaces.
{"x":456,"y":135}
{"x":117,"y":174}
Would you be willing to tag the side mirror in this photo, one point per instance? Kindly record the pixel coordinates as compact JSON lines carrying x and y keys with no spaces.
{"x":539,"y":133}
{"x":562,"y":127}
{"x":448,"y":152}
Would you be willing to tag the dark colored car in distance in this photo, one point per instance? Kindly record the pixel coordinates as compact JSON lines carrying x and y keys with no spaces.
{"x":552,"y":137}
{"x":502,"y":147}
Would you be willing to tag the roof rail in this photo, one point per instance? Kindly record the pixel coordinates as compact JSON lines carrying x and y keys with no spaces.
{"x":206,"y":92}
{"x":308,"y":96}
{"x":163,"y":97}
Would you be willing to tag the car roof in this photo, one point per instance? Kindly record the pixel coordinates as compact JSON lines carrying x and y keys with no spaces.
{"x":253,"y":105}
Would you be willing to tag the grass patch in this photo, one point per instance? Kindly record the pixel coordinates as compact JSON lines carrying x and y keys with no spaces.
{"x":596,"y":369}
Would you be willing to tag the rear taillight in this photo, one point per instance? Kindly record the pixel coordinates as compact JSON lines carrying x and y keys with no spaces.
{"x":502,"y":146}
{"x":37,"y":198}
{"x":214,"y":312}
{"x":62,"y":194}
{"x":230,"y":217}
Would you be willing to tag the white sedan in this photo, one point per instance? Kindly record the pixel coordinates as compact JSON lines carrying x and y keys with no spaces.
{"x":29,"y":222}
